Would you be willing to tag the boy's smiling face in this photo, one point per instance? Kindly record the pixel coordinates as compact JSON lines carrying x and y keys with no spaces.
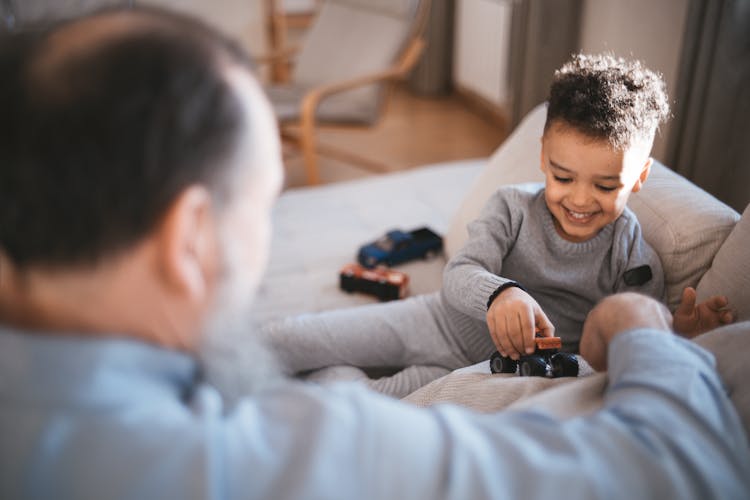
{"x":588,"y":182}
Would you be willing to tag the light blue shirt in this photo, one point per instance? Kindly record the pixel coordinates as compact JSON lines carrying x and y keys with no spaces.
{"x":110,"y":419}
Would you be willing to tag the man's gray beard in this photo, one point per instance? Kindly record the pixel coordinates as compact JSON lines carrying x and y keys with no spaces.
{"x":233,"y":358}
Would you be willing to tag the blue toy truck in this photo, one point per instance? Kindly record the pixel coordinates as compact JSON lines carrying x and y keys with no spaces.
{"x":397,"y":246}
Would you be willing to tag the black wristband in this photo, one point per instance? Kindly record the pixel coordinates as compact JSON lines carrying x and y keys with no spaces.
{"x":499,"y":290}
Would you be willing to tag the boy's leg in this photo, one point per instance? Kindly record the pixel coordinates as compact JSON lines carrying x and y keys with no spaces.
{"x":398,"y":385}
{"x":394,"y":334}
{"x":408,"y":380}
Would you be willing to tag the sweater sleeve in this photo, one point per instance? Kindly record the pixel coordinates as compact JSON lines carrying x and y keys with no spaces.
{"x":636,"y":256}
{"x":474,"y":272}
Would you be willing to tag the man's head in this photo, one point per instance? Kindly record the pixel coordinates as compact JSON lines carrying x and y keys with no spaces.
{"x":602,"y":117}
{"x":140,"y":140}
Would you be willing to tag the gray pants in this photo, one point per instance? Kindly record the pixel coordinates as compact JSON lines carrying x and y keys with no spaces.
{"x":422,"y":336}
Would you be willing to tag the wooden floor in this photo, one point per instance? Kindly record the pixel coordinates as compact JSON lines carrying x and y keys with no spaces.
{"x":414,"y":131}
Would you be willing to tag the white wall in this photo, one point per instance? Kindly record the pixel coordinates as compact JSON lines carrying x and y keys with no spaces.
{"x":481,"y":48}
{"x":648,"y":30}
{"x":241,"y":19}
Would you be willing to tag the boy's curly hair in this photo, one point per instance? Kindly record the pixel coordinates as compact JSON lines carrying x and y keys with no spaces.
{"x":609,"y":98}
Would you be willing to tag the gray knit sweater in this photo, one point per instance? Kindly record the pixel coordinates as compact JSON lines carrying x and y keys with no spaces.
{"x":515,"y":239}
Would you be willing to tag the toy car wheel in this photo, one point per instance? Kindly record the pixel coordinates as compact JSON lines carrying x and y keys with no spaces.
{"x":533,"y":366}
{"x":501,"y":364}
{"x":346,"y":282}
{"x":564,"y":365}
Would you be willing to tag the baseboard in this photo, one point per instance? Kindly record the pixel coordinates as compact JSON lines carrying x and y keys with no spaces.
{"x":495,"y":113}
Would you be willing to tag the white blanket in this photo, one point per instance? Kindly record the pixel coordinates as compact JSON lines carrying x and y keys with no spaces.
{"x":475,"y":387}
{"x":318,"y":230}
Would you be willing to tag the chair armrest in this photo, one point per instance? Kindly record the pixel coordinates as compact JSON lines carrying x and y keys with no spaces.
{"x":312,"y":98}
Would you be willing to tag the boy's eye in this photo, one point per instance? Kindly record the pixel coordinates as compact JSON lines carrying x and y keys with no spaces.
{"x":562,"y":180}
{"x":606,"y":189}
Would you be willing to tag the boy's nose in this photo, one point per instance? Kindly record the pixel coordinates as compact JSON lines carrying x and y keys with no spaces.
{"x":581,"y":196}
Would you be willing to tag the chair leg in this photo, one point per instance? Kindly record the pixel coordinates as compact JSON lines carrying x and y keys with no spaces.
{"x":309,"y":154}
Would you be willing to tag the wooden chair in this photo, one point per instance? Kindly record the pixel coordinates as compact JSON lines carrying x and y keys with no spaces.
{"x":351,"y":51}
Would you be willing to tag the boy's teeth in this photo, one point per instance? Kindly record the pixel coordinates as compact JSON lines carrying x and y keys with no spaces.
{"x":579,"y":215}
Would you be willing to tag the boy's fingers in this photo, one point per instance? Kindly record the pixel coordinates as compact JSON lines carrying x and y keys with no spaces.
{"x":494,"y":334}
{"x":717,"y":302}
{"x":501,"y":336}
{"x":491,"y":323}
{"x":727,"y":317}
{"x":520,"y":331}
{"x":545,"y":326}
{"x":529,"y":331}
{"x":687,"y":304}
{"x":512,"y":326}
{"x":500,"y":347}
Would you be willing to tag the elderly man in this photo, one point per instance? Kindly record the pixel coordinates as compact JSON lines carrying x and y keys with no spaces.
{"x":139,"y":161}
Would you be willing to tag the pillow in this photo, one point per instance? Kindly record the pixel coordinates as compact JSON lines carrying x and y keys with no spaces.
{"x":730,"y":271}
{"x":684,"y":224}
{"x":488,"y":393}
{"x":516,"y":161}
{"x":729,"y":345}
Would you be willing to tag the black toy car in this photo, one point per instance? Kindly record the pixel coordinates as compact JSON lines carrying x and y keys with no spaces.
{"x":400,"y":246}
{"x":385,"y":284}
{"x":546,"y":361}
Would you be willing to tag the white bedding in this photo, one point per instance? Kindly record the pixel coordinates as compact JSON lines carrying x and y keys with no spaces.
{"x":318,"y":230}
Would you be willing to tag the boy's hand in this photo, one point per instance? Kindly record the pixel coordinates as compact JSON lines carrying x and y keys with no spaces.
{"x":514,"y":318}
{"x":691,"y":319}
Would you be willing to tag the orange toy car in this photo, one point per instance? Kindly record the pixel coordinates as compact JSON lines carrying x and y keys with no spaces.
{"x":384,"y":283}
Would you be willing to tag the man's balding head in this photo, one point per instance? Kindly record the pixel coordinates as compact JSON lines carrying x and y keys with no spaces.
{"x":105,"y":121}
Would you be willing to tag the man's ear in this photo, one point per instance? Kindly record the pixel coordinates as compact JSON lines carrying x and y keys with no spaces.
{"x":187,"y":246}
{"x":644,"y":175}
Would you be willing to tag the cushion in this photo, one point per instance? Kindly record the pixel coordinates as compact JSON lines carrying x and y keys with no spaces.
{"x":729,"y":345}
{"x":516,"y":161}
{"x":684,"y":224}
{"x":730,"y":271}
{"x":484,"y":392}
{"x":476,"y":388}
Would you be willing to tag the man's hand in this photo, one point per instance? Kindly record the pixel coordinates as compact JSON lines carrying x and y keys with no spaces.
{"x":617,"y":314}
{"x":691,"y":320}
{"x":514,"y":318}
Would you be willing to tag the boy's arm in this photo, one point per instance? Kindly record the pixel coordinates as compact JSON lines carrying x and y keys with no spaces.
{"x":474,"y":273}
{"x":640,"y":269}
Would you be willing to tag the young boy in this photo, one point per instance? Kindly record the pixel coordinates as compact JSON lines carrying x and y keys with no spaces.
{"x":534,"y":260}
